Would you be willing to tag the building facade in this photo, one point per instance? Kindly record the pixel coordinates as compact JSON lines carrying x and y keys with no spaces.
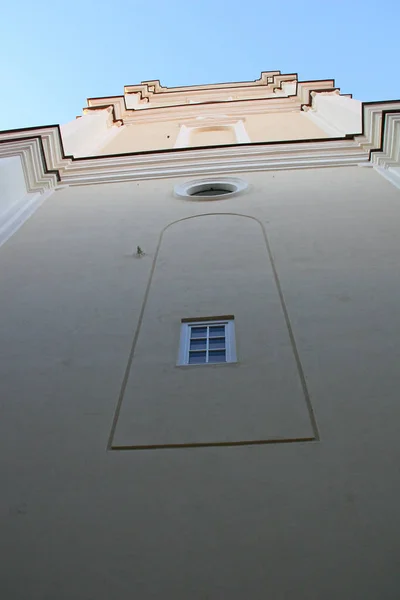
{"x":200,"y":361}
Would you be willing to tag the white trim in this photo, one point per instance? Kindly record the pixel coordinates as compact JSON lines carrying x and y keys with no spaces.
{"x":274,"y":92}
{"x":183,"y":139}
{"x":230,"y":341}
{"x":200,"y":161}
{"x":329,"y":128}
{"x":210,"y":161}
{"x":37,"y":178}
{"x":336,"y":114}
{"x":242,"y":136}
{"x":386,"y":161}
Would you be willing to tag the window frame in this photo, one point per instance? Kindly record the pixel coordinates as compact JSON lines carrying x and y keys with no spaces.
{"x":185,"y":337}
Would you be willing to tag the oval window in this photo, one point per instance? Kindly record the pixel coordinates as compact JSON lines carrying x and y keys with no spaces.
{"x":210,"y":189}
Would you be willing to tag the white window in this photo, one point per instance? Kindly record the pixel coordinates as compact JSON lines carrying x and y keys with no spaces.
{"x":207,"y":342}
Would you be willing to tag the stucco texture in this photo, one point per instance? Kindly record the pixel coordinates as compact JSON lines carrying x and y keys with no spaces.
{"x":265,"y":127}
{"x":213,"y":265}
{"x":308,"y":520}
{"x":143,"y":136}
{"x":273,"y":127}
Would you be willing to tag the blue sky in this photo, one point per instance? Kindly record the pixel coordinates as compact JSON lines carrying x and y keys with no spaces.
{"x":56,"y":54}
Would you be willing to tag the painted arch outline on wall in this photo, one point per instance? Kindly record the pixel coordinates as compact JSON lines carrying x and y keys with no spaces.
{"x":210,"y":264}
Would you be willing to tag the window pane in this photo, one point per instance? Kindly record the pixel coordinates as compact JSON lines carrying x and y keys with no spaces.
{"x":217,"y":330}
{"x":198,"y":332}
{"x":198,"y":344}
{"x":197,"y":358}
{"x":216,"y":356}
{"x":215,"y":343}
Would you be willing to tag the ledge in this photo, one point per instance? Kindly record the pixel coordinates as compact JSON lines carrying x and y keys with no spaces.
{"x":45,"y":163}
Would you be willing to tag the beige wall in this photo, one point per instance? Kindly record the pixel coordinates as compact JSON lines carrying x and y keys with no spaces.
{"x":309,"y":520}
{"x":208,"y":136}
{"x":213,"y":265}
{"x":282,"y":126}
{"x":259,"y":127}
{"x":143,"y":136}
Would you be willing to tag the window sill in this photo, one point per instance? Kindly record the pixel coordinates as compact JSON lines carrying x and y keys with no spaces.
{"x":209,"y":365}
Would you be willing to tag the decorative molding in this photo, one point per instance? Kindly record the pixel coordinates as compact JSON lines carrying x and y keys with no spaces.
{"x":334,"y":113}
{"x":198,"y":161}
{"x":373,"y":134}
{"x":44,"y":160}
{"x":329,"y":128}
{"x":268,"y":79}
{"x":150,"y":96}
{"x":221,"y":159}
{"x":387,"y":154}
{"x":46,"y":166}
{"x":386,"y":159}
{"x":30,"y":149}
{"x":158,"y":114}
{"x":116,"y":103}
{"x":265,"y":78}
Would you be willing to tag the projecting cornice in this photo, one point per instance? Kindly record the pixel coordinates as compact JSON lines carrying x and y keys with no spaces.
{"x":29,"y":145}
{"x":150,"y":100}
{"x":383,"y":120}
{"x":376,"y":128}
{"x":148,"y":88}
{"x":46,"y":165}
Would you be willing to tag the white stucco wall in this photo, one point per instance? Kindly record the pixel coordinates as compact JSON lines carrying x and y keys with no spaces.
{"x":310,"y":520}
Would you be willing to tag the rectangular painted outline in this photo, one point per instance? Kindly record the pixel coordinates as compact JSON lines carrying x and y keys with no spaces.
{"x":216,"y":444}
{"x":313,"y":421}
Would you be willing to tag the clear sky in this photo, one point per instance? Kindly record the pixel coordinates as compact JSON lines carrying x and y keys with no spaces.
{"x":56,"y":54}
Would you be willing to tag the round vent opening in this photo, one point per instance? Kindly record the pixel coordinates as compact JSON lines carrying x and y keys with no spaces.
{"x":210,"y":189}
